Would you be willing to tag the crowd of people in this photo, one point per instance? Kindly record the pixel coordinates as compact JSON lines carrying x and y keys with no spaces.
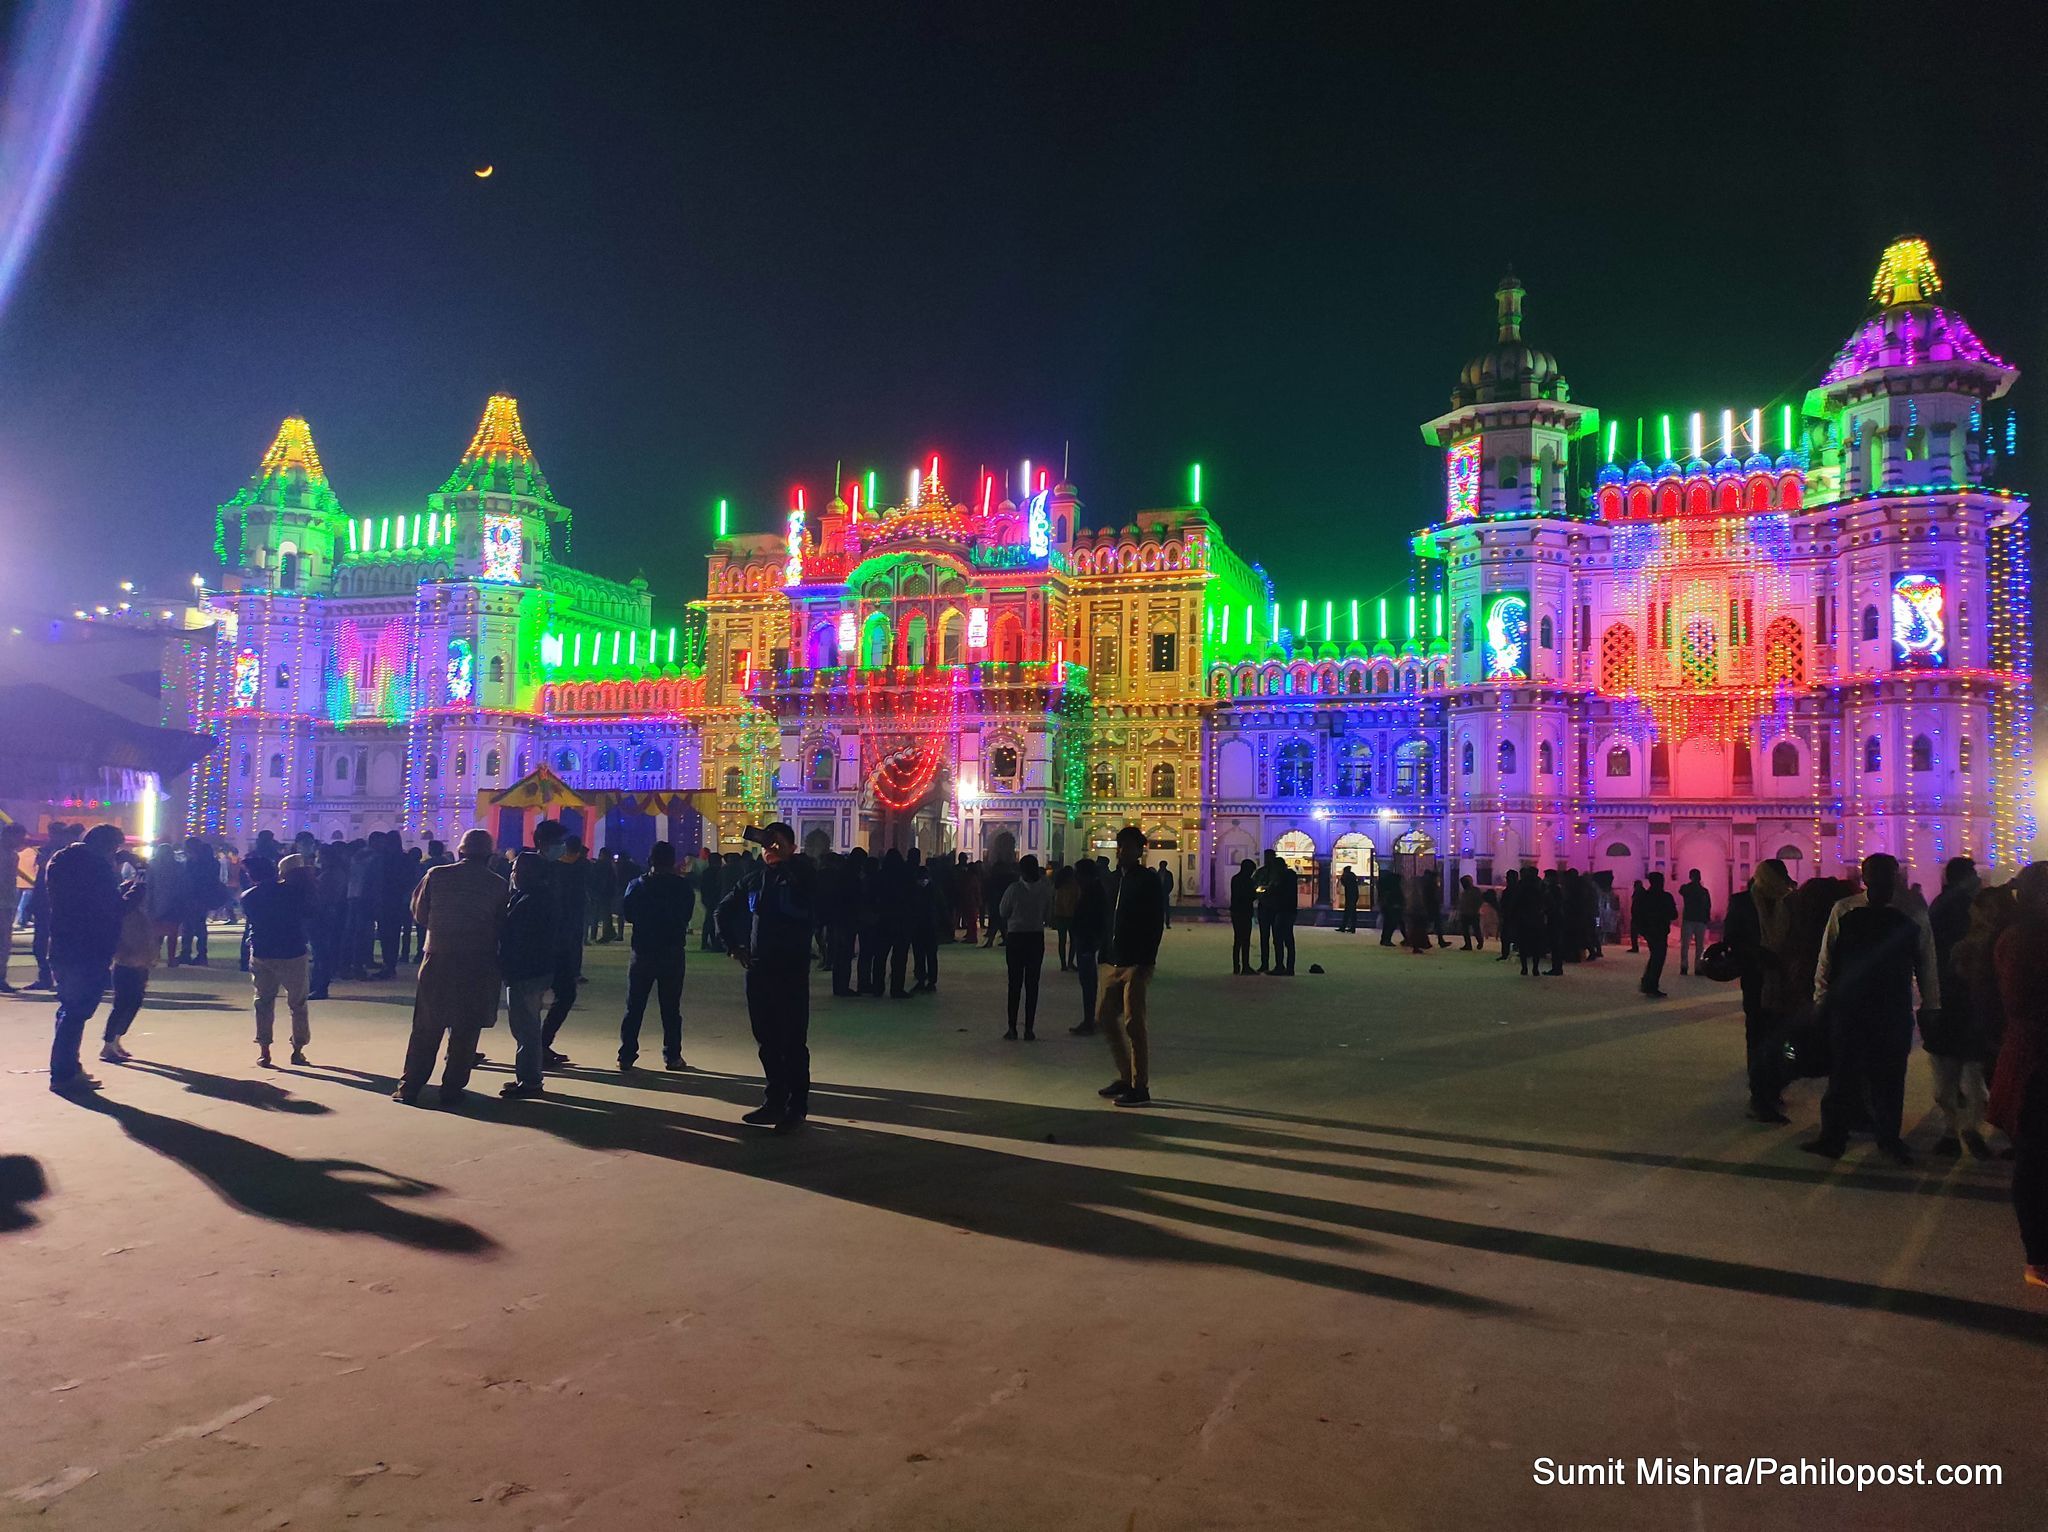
{"x":1835,"y":975}
{"x":497,"y":927}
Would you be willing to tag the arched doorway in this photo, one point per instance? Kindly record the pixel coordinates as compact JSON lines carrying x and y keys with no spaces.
{"x":1356,"y":852}
{"x":1298,"y":850}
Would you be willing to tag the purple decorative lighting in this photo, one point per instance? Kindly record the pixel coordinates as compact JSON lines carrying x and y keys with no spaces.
{"x":1906,"y":337}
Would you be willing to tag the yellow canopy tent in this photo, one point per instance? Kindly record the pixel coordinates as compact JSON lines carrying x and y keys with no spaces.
{"x":538,"y":789}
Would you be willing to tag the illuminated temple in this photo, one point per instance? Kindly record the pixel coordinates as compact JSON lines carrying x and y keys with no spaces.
{"x":1797,"y":631}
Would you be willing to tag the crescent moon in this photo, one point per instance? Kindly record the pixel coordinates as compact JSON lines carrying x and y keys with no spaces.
{"x":485,"y":173}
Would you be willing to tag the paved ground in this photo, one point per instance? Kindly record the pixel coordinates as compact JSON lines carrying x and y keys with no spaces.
{"x":1393,"y":1234}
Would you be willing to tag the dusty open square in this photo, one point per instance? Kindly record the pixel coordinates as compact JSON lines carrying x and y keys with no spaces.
{"x":1391,"y":1235}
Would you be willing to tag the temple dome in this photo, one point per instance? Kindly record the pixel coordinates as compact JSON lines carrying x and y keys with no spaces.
{"x":1512,"y":368}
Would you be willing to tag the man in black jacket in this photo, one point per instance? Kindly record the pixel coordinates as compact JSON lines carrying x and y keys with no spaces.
{"x":766,"y":922}
{"x":1872,"y":957}
{"x":1279,"y":900}
{"x":1137,"y":921}
{"x":569,"y":885}
{"x":85,"y":909}
{"x":657,"y":908}
{"x":1653,"y":913}
{"x":1244,"y":905}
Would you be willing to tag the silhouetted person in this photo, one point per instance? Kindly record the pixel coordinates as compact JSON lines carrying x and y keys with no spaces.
{"x":1244,"y":909}
{"x":1759,"y":931}
{"x":1393,"y":905}
{"x":461,"y":908}
{"x":766,"y":919}
{"x":2019,"y":1093}
{"x":569,"y":886}
{"x":1347,"y":888}
{"x":1509,"y":909}
{"x":1695,"y":910}
{"x":1091,"y":930}
{"x":1027,"y":906}
{"x":1166,"y":887}
{"x":839,"y":883}
{"x":1137,"y":921}
{"x":923,"y":917}
{"x":1871,"y":956}
{"x":1652,"y":917}
{"x":278,"y":912}
{"x":85,"y":910}
{"x":1470,"y":902}
{"x":526,"y":959}
{"x":657,"y":908}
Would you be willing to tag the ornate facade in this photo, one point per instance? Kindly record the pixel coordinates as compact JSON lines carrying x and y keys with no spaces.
{"x":1801,"y":632}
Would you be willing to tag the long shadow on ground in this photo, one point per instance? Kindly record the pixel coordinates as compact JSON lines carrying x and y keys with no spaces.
{"x":339,"y":1196}
{"x":1934,"y":1184}
{"x":1097,"y":1209}
{"x":1053,"y":1203}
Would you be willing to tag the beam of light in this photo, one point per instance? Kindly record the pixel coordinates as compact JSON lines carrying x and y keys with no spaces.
{"x":1694,"y":434}
{"x":1613,"y":438}
{"x":1195,"y":484}
{"x":1756,"y":430}
{"x":54,"y":63}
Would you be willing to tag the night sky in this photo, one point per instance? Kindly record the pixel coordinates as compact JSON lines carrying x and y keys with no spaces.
{"x":727,"y":245}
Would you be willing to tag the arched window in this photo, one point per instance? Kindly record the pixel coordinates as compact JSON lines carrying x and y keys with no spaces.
{"x":1869,"y":624}
{"x":1354,"y":769}
{"x":822,"y":768}
{"x":1507,"y":757}
{"x":1102,"y":780}
{"x":874,"y":642}
{"x":1784,"y":759}
{"x":1294,"y":773}
{"x":1354,"y":682}
{"x":949,"y":638}
{"x":433,"y":767}
{"x":1411,"y":768}
{"x":1964,"y":750}
{"x":735,"y":782}
{"x":1546,"y":633}
{"x":1383,"y":680}
{"x":341,"y":768}
{"x":242,"y":767}
{"x":1005,"y":767}
{"x":1784,"y":653}
{"x":1546,"y":759}
{"x":606,"y":759}
{"x":462,"y":763}
{"x":567,"y":760}
{"x":277,"y":768}
{"x":1162,"y":780}
{"x":1619,"y":762}
{"x":914,"y":649}
{"x":651,"y":759}
{"x":1009,"y":644}
{"x":493,"y":764}
{"x":1923,"y":753}
{"x":1873,"y":754}
{"x":288,"y":570}
{"x":1465,"y":637}
{"x":498,"y":668}
{"x":1618,"y":661}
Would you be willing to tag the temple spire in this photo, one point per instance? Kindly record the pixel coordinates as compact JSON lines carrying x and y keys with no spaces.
{"x":1508,"y":297}
{"x":1905,"y":273}
{"x":290,"y":474}
{"x":499,"y":461}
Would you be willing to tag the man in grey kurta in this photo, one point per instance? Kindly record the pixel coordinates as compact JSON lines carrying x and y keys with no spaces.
{"x":460,"y":908}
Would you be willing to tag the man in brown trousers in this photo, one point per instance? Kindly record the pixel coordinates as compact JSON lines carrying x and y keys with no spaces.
{"x":461,"y":908}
